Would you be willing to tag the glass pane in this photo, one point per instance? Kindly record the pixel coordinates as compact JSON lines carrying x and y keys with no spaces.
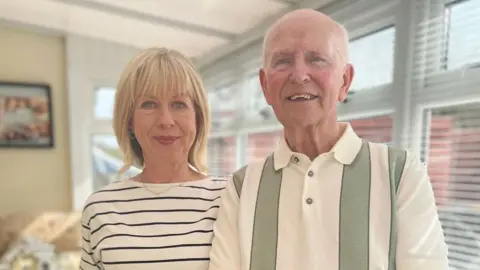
{"x":223,"y":106}
{"x":257,"y":108}
{"x":104,"y":101}
{"x":221,"y":156}
{"x":454,"y":169}
{"x":464,"y":37}
{"x":372,"y":59}
{"x":260,"y":145}
{"x":107,"y":161}
{"x":376,"y":129}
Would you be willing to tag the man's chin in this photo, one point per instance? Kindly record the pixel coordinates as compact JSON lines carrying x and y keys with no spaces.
{"x":301,"y":120}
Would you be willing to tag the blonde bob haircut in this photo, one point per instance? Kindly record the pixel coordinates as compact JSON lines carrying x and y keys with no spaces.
{"x":156,"y":72}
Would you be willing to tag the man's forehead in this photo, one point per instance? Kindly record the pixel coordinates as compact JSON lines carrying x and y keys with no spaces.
{"x":305,"y":30}
{"x":292,"y":41}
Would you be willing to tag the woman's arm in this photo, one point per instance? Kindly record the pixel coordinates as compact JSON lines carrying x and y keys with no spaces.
{"x":87,"y":261}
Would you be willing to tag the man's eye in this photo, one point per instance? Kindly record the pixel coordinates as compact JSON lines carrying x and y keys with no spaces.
{"x":317,"y":59}
{"x":282,"y":61}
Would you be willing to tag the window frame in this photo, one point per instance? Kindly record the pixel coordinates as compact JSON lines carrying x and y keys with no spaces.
{"x":379,"y":15}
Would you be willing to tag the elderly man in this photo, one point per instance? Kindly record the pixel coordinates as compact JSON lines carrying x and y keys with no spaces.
{"x":324,"y":199}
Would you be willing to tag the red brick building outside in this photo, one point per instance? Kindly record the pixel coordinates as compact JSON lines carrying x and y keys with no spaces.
{"x":453,"y":155}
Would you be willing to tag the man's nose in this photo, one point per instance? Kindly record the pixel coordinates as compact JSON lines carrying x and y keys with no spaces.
{"x":165,"y":118}
{"x":300,"y":73}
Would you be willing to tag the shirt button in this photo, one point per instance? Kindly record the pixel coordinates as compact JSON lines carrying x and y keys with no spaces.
{"x":296,"y":159}
{"x":310,"y":173}
{"x":309,"y":200}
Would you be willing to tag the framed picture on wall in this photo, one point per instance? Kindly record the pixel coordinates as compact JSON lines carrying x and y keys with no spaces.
{"x":26,"y":119}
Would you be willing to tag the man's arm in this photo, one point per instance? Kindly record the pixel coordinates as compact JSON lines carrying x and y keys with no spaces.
{"x":421,"y":243}
{"x":225,"y":252}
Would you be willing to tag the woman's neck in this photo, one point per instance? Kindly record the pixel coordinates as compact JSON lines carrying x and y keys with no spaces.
{"x":168,"y":173}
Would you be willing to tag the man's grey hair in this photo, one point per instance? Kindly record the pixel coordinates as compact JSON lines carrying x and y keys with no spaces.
{"x":343,"y":41}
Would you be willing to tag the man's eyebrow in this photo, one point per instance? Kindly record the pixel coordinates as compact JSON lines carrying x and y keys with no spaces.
{"x":282,"y":53}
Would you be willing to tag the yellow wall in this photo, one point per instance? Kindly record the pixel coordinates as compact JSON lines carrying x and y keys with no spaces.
{"x":38,"y":179}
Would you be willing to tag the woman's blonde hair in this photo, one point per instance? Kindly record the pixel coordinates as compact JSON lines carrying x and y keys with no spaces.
{"x":157,"y":71}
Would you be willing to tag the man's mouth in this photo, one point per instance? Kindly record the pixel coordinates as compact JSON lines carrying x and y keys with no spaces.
{"x":302,"y":97}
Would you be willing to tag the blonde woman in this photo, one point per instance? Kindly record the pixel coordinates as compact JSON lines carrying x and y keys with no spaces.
{"x":163,"y":217}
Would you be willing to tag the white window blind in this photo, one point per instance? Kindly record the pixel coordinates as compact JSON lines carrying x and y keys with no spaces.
{"x":445,"y":92}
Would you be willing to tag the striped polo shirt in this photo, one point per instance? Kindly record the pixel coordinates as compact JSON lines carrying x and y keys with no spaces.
{"x":126,"y":226}
{"x":304,"y":224}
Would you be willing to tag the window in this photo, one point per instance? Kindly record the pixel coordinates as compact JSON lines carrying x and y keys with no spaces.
{"x":221,"y":156}
{"x":463,"y":18}
{"x":104,"y":101}
{"x":257,"y":108}
{"x":107,"y":161}
{"x":454,"y":169}
{"x":223,"y":107}
{"x":260,"y":145}
{"x":372,"y":58}
{"x":376,"y":129}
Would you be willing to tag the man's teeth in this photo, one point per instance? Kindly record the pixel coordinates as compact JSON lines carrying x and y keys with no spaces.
{"x":302,"y":97}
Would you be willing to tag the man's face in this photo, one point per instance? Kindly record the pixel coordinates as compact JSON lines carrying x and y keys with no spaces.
{"x":303,"y":76}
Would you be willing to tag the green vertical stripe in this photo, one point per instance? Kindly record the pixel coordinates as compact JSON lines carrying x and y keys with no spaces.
{"x":265,"y":225}
{"x":396,"y":164}
{"x":238,"y":178}
{"x":355,"y":213}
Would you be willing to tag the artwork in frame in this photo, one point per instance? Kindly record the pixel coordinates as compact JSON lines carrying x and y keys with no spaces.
{"x":26,"y":118}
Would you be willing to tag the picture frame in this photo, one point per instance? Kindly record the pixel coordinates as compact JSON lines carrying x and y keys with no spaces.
{"x":26,"y":115}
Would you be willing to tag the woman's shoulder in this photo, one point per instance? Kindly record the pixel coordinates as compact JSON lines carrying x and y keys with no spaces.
{"x":212,"y":180}
{"x":209,"y":183}
{"x":113,"y":191}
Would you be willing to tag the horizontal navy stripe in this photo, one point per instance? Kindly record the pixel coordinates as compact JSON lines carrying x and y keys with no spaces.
{"x":116,"y":189}
{"x":151,"y":223}
{"x":159,"y":261}
{"x":205,"y":188}
{"x":151,"y":235}
{"x":157,"y":247}
{"x":153,"y":199}
{"x":152,"y":211}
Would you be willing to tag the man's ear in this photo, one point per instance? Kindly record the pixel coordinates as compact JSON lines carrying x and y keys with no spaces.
{"x":263,"y":84}
{"x":347,"y":79}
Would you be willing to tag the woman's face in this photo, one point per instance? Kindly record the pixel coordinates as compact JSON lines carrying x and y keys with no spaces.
{"x":165,"y":127}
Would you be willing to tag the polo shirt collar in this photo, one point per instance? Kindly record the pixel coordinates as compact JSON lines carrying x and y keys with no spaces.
{"x":344,"y":151}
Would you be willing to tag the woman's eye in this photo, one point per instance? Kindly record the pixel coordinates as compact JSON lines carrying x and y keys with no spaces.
{"x":148,"y":104}
{"x":179,"y":105}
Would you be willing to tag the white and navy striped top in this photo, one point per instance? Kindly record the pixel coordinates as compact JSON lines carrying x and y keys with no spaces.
{"x":127,"y":226}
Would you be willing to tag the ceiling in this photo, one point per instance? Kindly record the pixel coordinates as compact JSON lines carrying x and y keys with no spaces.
{"x":202,"y":29}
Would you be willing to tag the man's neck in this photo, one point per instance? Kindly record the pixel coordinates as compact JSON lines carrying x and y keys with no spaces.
{"x":314,"y":140}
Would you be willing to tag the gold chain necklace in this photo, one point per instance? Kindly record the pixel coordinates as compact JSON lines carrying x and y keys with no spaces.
{"x":161,"y":192}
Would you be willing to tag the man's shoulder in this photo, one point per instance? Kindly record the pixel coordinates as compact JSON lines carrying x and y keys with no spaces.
{"x":376,"y":146}
{"x":258,"y":163}
{"x":386,"y":152}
